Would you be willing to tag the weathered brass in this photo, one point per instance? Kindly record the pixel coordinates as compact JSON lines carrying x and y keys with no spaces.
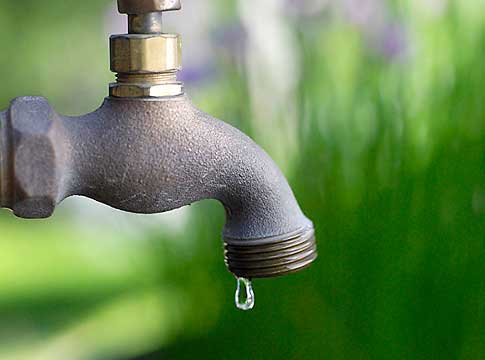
{"x":141,"y":90}
{"x":139,"y":54}
{"x":146,"y":60}
{"x":146,"y":85}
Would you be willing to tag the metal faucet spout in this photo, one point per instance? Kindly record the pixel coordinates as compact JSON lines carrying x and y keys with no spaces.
{"x":148,"y":149}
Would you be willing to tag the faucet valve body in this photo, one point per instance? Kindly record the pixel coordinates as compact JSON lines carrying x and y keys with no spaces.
{"x":148,"y":150}
{"x":146,"y":60}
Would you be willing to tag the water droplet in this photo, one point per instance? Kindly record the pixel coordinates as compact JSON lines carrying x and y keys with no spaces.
{"x":244,"y":302}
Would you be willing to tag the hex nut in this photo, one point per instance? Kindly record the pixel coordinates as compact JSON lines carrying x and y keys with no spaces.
{"x":35,"y":158}
{"x":141,"y":54}
{"x":121,"y":90}
{"x":133,"y":7}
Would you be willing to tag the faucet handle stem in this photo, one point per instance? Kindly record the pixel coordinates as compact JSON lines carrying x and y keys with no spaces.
{"x":145,"y":16}
{"x":138,"y":7}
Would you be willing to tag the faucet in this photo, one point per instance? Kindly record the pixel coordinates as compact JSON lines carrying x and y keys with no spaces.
{"x":148,"y":149}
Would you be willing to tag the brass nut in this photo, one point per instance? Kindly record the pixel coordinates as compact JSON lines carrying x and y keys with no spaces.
{"x":121,"y":90}
{"x":133,"y":7}
{"x":141,"y":54}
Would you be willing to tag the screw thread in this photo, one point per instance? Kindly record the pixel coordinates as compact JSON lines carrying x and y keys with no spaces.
{"x":149,"y":79}
{"x":276,"y":256}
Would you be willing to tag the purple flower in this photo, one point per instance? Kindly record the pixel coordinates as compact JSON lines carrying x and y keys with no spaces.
{"x":394,"y":43}
{"x":387,"y":37}
{"x":306,"y":8}
{"x":367,"y":14}
{"x":231,"y":40}
{"x":193,"y":74}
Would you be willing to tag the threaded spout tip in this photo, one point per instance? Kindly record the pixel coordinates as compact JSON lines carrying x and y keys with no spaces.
{"x":271,"y":257}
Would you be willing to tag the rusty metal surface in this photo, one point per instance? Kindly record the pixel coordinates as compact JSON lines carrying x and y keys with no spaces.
{"x":151,"y":156}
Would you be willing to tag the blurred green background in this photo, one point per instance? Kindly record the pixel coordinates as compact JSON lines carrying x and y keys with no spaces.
{"x":374,"y":110}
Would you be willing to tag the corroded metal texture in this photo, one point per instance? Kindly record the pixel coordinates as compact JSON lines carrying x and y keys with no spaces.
{"x":151,"y":156}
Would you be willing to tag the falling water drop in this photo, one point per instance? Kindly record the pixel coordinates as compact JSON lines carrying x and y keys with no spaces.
{"x":244,"y":302}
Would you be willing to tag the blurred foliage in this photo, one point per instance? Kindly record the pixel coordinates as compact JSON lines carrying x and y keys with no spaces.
{"x":391,"y":169}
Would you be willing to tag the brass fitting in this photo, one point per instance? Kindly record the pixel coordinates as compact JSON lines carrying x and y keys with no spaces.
{"x":141,"y":54}
{"x":146,"y":60}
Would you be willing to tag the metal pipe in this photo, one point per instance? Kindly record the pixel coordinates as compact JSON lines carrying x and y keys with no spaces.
{"x":150,"y":23}
{"x":151,"y":156}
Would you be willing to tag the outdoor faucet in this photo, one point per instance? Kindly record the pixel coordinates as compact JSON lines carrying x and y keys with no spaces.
{"x":148,"y":149}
